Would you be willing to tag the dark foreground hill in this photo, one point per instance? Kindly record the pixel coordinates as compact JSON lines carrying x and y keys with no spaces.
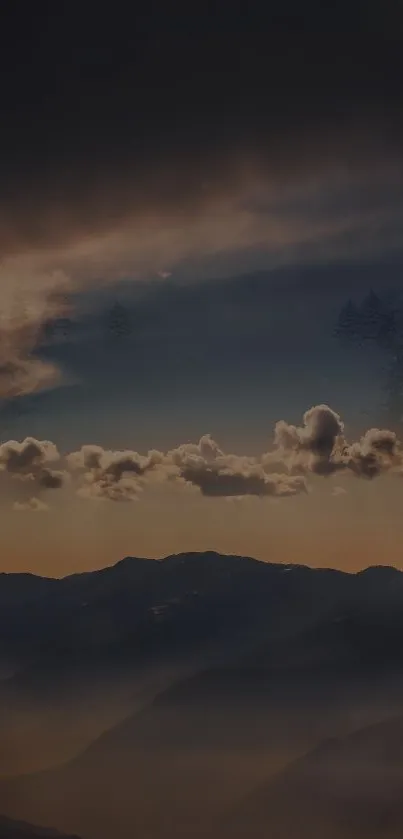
{"x":10,"y":829}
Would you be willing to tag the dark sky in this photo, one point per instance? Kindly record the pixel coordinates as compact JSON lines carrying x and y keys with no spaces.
{"x":105,"y":99}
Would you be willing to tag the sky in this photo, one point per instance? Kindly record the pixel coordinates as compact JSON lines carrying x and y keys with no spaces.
{"x":189,"y":197}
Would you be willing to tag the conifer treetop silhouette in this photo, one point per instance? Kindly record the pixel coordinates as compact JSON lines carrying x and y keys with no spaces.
{"x":118,"y":321}
{"x":378,"y":321}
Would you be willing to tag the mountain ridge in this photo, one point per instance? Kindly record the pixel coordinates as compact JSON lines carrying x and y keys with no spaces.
{"x":177,"y":558}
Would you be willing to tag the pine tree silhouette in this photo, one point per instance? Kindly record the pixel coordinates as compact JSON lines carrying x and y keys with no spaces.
{"x":348,"y":327}
{"x":61,"y":324}
{"x":380,"y":322}
{"x":372,"y":317}
{"x":118,"y":322}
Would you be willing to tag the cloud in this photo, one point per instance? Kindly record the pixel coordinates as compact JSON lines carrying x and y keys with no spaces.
{"x":320,"y":447}
{"x":121,"y":476}
{"x":29,"y":460}
{"x":27,"y":456}
{"x":98,"y":488}
{"x":216,"y":474}
{"x":317,"y":447}
{"x":225,"y":482}
{"x":378,"y":451}
{"x":34,"y":505}
{"x":337,"y":491}
{"x":253,"y":221}
{"x":21,"y":376}
{"x":112,"y":474}
{"x":21,"y":325}
{"x":51,"y":479}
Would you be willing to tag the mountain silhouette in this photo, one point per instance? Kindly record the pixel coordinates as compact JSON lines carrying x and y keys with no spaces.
{"x":260,"y":664}
{"x":56,"y":635}
{"x":136,"y":613}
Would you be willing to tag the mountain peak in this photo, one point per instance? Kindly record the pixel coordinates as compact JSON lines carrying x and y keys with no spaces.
{"x":380,"y":570}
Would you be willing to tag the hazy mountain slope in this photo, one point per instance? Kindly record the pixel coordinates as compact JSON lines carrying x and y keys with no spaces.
{"x":93,"y":632}
{"x":134,"y":612}
{"x":348,"y":788}
{"x":278,"y":657}
{"x":94,"y":646}
{"x":201,"y":744}
{"x":105,"y":642}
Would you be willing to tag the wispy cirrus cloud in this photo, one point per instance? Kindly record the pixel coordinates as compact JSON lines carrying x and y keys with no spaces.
{"x":254,"y":224}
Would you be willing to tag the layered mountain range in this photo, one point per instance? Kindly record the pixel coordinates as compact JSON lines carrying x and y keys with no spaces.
{"x":204,"y":695}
